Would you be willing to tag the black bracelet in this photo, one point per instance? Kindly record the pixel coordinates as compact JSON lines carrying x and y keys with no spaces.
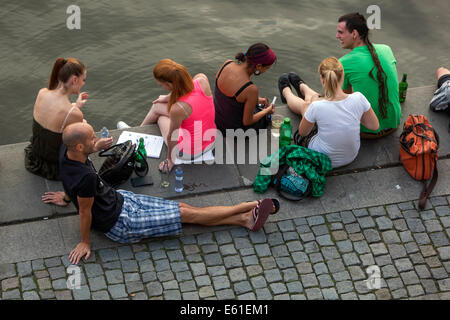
{"x":66,"y":201}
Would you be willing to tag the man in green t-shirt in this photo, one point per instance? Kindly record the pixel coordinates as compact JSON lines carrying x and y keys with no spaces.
{"x":370,"y":69}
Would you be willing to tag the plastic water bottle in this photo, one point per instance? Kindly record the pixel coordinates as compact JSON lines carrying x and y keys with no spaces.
{"x":179,"y":179}
{"x":285,"y":132}
{"x":104,"y":133}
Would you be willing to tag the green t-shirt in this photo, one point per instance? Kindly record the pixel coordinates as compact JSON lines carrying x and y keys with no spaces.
{"x":357,"y":65}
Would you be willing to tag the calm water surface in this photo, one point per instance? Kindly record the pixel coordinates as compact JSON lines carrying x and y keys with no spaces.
{"x":121,"y":41}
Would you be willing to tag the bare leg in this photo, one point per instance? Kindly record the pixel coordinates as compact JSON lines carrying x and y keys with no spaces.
{"x":157,"y":110}
{"x":240,"y":214}
{"x":441,"y":71}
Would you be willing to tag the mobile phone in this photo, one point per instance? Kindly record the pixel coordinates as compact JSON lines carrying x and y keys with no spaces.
{"x":141,"y":181}
{"x":274,"y":99}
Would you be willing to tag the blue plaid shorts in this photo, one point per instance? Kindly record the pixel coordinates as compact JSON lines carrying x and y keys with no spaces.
{"x":145,"y":216}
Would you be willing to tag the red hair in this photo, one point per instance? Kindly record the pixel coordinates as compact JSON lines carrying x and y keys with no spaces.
{"x":63,"y":69}
{"x":176,"y":74}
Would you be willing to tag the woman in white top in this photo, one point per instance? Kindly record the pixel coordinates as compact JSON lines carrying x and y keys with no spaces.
{"x":332,"y":122}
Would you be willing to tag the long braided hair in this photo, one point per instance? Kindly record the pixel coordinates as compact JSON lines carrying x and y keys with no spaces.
{"x":356,"y":21}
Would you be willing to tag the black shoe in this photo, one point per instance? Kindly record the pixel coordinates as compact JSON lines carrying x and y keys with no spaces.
{"x":295,"y":80}
{"x":283,"y":82}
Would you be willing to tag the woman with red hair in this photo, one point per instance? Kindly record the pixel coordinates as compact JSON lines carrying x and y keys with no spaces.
{"x":186,"y":115}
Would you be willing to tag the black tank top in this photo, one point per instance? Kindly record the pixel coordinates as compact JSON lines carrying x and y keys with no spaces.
{"x":229,"y":112}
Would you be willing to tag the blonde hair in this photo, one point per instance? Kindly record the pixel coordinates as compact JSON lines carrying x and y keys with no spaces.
{"x":332,"y":72}
{"x":169,"y":71}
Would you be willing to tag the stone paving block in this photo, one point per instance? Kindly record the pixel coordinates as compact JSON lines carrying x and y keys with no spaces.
{"x":125,"y":252}
{"x":280,"y":251}
{"x":377,"y":211}
{"x":344,"y":287}
{"x":389,"y":271}
{"x":384,"y":223}
{"x":406,"y":236}
{"x":383,"y":260}
{"x":409,"y":277}
{"x":258,"y":282}
{"x":390,"y":236}
{"x":351,"y":259}
{"x":306,"y":237}
{"x":27,"y":283}
{"x":361,"y":247}
{"x":242,"y":287}
{"x":393,"y":212}
{"x":403,"y":264}
{"x":444,"y":253}
{"x":442,"y":211}
{"x":439,"y":273}
{"x":367,"y":259}
{"x":400,"y":225}
{"x":360,"y":212}
{"x":315,"y":220}
{"x":415,"y":225}
{"x":100,"y":295}
{"x":347,"y":217}
{"x":114,"y":276}
{"x":273,"y":275}
{"x":352,"y":228}
{"x":356,"y":273}
{"x":395,"y":283}
{"x":335,"y":265}
{"x":57,"y":272}
{"x":314,"y":294}
{"x":330,"y":253}
{"x":37,"y":264}
{"x":433,"y":225}
{"x":223,"y":237}
{"x":250,"y":260}
{"x":173,"y":244}
{"x":397,"y":251}
{"x":444,"y":285}
{"x":188,"y":286}
{"x":258,"y":237}
{"x":427,"y":215}
{"x":290,"y":235}
{"x":378,"y":249}
{"x":366,"y":222}
{"x":415,"y":290}
{"x":294,"y":246}
{"x":294,"y":287}
{"x":278,"y":288}
{"x":97,"y":283}
{"x":209,"y":248}
{"x":320,"y":230}
{"x":336,"y":226}
{"x":10,"y":283}
{"x":315,"y":257}
{"x":268,"y":263}
{"x":341,"y":276}
{"x":11,"y":295}
{"x":107,"y":255}
{"x":176,"y":255}
{"x":93,"y":269}
{"x":311,"y":247}
{"x":64,"y":295}
{"x":324,"y":240}
{"x":439,"y":239}
{"x":383,"y":294}
{"x":433,"y":262}
{"x":372,"y":235}
{"x":290,"y":274}
{"x":82,"y":294}
{"x":422,"y":238}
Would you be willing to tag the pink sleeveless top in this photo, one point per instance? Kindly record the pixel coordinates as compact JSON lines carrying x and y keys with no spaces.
{"x":199,"y":130}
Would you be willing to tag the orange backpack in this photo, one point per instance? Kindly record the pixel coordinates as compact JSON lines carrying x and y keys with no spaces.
{"x":419,"y":147}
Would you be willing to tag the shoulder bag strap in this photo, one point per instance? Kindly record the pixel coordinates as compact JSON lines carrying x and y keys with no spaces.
{"x":428,"y":189}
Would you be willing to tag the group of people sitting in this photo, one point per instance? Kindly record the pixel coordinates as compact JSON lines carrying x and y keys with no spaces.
{"x":360,"y":99}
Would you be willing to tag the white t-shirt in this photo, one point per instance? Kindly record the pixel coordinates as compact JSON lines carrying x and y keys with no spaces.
{"x":339,"y":125}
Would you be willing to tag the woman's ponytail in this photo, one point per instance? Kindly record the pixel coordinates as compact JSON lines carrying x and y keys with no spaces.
{"x":332,"y":73}
{"x":63,"y":69}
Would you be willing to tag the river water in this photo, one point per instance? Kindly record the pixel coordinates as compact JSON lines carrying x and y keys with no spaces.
{"x":121,"y":41}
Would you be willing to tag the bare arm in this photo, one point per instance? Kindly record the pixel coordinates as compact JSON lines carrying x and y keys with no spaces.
{"x":369,"y":120}
{"x":249,"y":118}
{"x":84,"y":247}
{"x":305,"y":127}
{"x":349,"y":89}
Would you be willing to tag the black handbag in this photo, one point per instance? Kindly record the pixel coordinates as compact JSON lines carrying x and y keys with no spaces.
{"x":120,"y":163}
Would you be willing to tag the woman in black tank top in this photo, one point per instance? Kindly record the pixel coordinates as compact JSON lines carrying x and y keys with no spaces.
{"x":236,"y":106}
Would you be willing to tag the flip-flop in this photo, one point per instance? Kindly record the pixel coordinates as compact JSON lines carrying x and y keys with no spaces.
{"x":261,"y":212}
{"x":276,"y":204}
{"x":283,"y":82}
{"x":295,"y":80}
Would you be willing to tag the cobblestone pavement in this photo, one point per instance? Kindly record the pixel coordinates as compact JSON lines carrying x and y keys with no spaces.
{"x":319,"y":257}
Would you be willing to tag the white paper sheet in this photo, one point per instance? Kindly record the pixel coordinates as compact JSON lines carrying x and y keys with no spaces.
{"x":153,"y":144}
